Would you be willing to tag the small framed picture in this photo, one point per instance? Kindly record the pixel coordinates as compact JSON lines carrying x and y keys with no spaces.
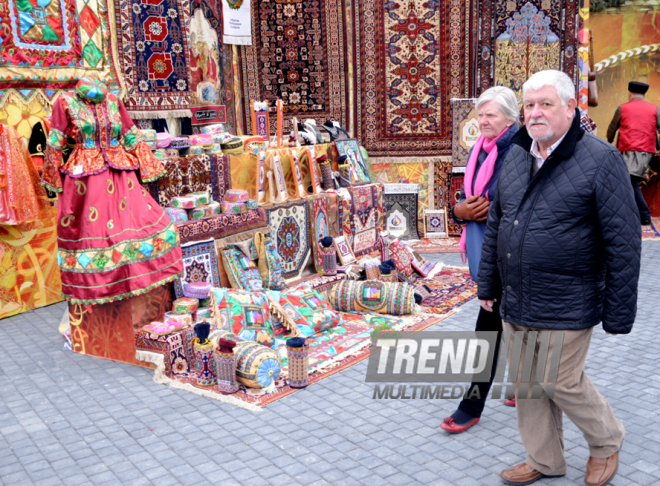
{"x":435,"y":223}
{"x":344,"y":250}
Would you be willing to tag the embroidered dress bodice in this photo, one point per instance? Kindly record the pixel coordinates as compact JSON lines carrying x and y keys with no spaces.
{"x":105,"y":137}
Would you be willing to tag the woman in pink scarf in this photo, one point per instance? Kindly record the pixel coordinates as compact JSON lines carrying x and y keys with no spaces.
{"x":498,"y":114}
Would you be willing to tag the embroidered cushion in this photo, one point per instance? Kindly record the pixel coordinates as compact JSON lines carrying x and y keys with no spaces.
{"x":243,"y":313}
{"x":270,"y":262}
{"x":402,"y":258}
{"x":241,"y":271}
{"x":373,"y":296}
{"x":256,"y":366}
{"x":303,"y":308}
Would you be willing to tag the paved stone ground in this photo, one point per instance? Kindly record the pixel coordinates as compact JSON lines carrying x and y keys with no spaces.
{"x":70,"y":419}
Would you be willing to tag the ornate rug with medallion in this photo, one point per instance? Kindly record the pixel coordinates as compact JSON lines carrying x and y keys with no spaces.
{"x":297,"y":55}
{"x":400,"y":206}
{"x":451,"y":287}
{"x":290,"y":230}
{"x":200,"y":264}
{"x":153,"y":41}
{"x":412,"y":58}
{"x":521,"y":37}
{"x":367,"y":212}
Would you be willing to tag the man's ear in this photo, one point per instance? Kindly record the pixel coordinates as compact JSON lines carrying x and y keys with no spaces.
{"x":572,"y":104}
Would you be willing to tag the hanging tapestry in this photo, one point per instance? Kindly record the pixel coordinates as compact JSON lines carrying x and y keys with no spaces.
{"x":528,"y":36}
{"x":155,"y":56}
{"x":210,"y":61}
{"x":400,"y":205}
{"x":192,"y":174}
{"x":366,"y":217}
{"x":465,"y":131}
{"x":289,"y":224}
{"x":57,"y":42}
{"x":297,"y":55}
{"x":416,"y":171}
{"x":412,"y":58}
{"x":442,"y":173}
{"x":200,"y":264}
{"x":320,"y":226}
{"x":222,"y":225}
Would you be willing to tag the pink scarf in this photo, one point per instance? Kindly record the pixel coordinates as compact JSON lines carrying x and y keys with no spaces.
{"x":483,"y":177}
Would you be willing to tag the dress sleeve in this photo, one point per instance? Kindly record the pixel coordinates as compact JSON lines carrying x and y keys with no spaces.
{"x":51,"y":177}
{"x":150,"y":167}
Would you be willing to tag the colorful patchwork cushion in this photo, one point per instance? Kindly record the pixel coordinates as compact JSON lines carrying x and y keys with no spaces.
{"x":270,"y":263}
{"x":402,"y":258}
{"x":242,"y":313}
{"x":373,"y":296}
{"x":256,"y":366}
{"x":303,"y":308}
{"x":241,"y":271}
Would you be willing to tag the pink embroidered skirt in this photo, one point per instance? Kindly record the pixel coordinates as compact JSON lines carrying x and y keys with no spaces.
{"x":114,"y":240}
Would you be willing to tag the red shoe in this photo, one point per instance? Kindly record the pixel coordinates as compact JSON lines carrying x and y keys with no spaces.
{"x":450,"y":426}
{"x":510,"y":402}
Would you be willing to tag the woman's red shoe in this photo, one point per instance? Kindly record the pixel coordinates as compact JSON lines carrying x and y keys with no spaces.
{"x":450,"y":426}
{"x":510,"y":402}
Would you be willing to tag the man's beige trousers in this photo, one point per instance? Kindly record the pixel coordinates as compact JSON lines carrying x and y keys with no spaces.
{"x":540,"y":420}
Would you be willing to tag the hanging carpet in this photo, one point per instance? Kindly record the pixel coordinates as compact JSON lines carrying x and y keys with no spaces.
{"x":297,"y":55}
{"x":412,"y":58}
{"x":153,"y":40}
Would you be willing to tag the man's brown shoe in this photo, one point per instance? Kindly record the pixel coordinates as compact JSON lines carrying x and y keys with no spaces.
{"x":521,"y":475}
{"x":601,"y":471}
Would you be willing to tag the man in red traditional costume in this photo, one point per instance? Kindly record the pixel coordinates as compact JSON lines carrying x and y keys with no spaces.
{"x":638,"y":123}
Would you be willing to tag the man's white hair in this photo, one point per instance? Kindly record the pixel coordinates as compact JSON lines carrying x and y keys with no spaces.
{"x":551,"y":77}
{"x":505,"y":98}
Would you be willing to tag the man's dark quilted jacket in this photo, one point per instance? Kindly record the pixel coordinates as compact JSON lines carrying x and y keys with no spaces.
{"x":563,"y":245}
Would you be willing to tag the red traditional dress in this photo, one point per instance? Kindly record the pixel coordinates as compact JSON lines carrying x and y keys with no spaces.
{"x":114,"y":240}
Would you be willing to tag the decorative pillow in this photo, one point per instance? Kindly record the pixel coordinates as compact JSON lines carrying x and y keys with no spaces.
{"x":270,"y":263}
{"x":373,"y":296}
{"x":303,"y":308}
{"x":256,"y":366}
{"x":402,"y":258}
{"x":248,"y":247}
{"x":241,"y":271}
{"x":243,"y":313}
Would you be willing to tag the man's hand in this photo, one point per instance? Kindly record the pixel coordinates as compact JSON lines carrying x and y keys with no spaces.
{"x":474,"y":208}
{"x":487,"y":304}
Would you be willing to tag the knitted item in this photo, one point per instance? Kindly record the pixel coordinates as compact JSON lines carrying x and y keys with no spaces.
{"x":298,"y":359}
{"x":204,"y":363}
{"x":225,"y":366}
{"x":329,"y":260}
{"x":326,"y":174}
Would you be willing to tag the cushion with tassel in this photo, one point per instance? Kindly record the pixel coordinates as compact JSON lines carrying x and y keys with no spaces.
{"x":243,"y":313}
{"x":303,"y":308}
{"x":241,"y":271}
{"x":270,"y":262}
{"x":373,"y":296}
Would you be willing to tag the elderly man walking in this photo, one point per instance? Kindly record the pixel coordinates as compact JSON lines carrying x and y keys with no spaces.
{"x":562,"y":244}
